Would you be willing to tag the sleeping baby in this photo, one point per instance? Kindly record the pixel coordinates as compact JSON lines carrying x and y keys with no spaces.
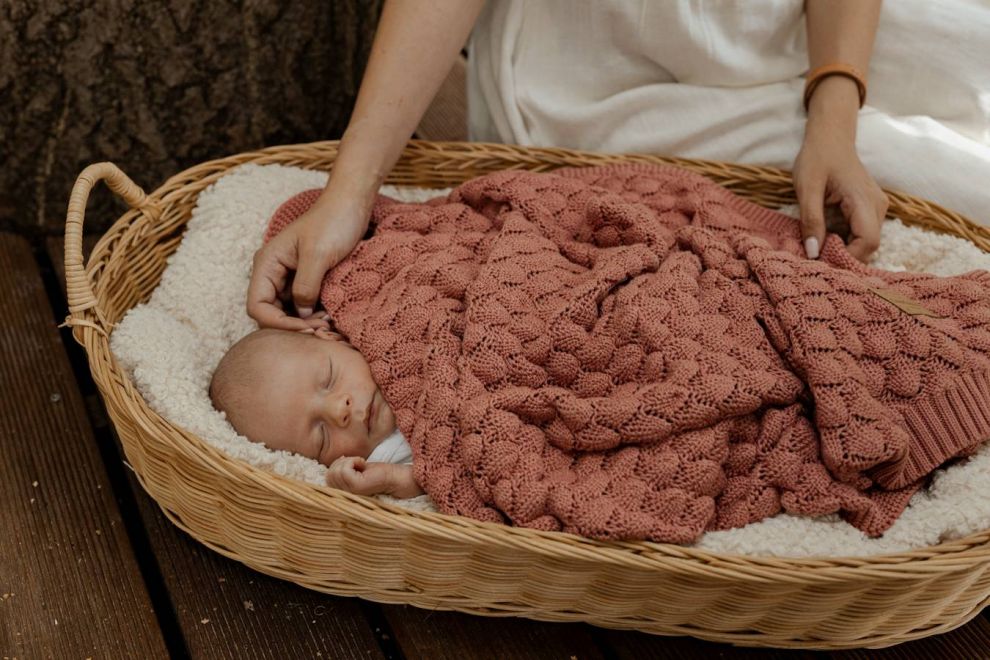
{"x":312,"y":394}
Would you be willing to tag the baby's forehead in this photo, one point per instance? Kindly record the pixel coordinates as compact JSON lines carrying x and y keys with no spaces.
{"x":299,"y":350}
{"x":295,"y":349}
{"x":268,"y":340}
{"x":283,"y":347}
{"x":278,"y":367}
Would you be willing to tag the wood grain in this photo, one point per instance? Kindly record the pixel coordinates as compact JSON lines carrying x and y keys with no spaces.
{"x":226,"y":610}
{"x":427,"y":635}
{"x":69,"y":583}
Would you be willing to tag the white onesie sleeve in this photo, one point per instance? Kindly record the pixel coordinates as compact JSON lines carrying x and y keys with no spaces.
{"x":393,"y":449}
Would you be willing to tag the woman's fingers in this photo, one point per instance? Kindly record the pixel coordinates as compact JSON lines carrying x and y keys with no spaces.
{"x":268,"y":291}
{"x":827,"y":170}
{"x":811,"y":198}
{"x":289,"y":270}
{"x":262,"y":294}
{"x":319,"y":319}
{"x":865,"y":220}
{"x":313,"y":265}
{"x":862,"y":202}
{"x":268,"y":276}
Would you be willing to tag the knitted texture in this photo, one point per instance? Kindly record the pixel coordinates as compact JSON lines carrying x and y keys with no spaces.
{"x":633,"y":352}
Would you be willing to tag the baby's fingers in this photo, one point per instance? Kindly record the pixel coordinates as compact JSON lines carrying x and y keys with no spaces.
{"x":357,"y":482}
{"x":347,"y":474}
{"x":337,"y":471}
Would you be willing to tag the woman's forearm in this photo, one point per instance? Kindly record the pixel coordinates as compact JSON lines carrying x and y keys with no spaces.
{"x":415,"y":46}
{"x":839,"y":31}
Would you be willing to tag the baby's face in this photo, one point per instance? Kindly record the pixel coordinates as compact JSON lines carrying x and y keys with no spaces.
{"x":316,"y":397}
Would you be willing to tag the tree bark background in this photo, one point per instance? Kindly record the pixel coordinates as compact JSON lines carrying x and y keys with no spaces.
{"x":157,"y":86}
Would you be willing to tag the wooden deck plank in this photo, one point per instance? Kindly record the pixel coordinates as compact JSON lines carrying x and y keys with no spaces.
{"x":628,"y":645}
{"x":69,"y":582}
{"x":436,"y":635}
{"x":223,"y":608}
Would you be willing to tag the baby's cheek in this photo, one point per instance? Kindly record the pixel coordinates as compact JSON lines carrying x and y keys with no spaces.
{"x":252,"y":425}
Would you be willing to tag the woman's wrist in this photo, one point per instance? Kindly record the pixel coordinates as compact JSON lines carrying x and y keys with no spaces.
{"x":358,"y":172}
{"x":349,"y":199}
{"x":834,"y":110}
{"x":368,"y":151}
{"x":348,"y":211}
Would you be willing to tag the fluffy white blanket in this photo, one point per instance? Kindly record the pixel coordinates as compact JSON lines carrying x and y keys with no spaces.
{"x":171,"y":345}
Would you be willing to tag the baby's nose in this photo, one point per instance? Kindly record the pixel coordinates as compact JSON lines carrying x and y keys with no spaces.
{"x":340,"y":408}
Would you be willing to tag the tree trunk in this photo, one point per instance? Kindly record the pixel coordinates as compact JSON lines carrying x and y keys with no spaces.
{"x":157,"y":86}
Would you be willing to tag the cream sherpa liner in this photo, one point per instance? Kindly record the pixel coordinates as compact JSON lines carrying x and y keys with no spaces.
{"x":171,"y":345}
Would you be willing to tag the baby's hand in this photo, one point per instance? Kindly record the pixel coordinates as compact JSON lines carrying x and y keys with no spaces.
{"x":356,"y":475}
{"x":403,"y":484}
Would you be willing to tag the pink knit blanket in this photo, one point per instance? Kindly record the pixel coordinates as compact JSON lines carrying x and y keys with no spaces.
{"x":633,"y":352}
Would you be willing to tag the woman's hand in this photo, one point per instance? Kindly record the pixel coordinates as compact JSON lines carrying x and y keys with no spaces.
{"x":415,"y":45}
{"x":291,"y":266}
{"x":828,"y":171}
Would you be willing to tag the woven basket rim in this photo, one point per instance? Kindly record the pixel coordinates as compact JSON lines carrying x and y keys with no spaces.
{"x":757,"y":568}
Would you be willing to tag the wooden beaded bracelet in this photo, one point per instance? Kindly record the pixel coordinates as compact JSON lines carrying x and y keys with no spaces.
{"x":815,"y":76}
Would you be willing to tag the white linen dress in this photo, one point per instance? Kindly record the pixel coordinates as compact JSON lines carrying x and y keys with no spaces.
{"x":721,"y":79}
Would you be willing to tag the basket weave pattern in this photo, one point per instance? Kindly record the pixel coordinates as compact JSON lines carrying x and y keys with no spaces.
{"x":345,"y":544}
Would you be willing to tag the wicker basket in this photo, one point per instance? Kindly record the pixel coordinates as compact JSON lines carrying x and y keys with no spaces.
{"x":344,"y":544}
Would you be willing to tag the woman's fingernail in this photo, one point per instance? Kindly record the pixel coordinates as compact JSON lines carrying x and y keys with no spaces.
{"x":307,"y":331}
{"x":305,"y":312}
{"x":811,"y":247}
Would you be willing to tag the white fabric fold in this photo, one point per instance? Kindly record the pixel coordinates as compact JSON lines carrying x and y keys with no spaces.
{"x":393,"y":449}
{"x":722,"y":80}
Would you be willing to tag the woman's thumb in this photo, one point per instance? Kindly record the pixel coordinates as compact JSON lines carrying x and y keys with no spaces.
{"x":306,"y":284}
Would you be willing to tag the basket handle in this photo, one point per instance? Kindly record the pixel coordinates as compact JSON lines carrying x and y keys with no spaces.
{"x":78,"y":289}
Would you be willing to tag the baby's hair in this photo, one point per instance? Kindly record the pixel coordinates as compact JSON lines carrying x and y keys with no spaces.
{"x":235,"y":375}
{"x":234,"y":366}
